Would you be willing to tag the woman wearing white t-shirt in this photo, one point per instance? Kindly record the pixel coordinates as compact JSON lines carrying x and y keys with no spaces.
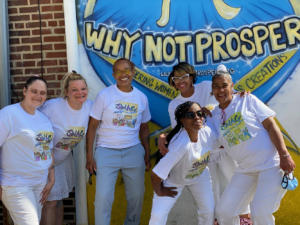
{"x":69,"y":116}
{"x":185,"y":165}
{"x":26,"y":170}
{"x":122,"y":113}
{"x":248,"y":131}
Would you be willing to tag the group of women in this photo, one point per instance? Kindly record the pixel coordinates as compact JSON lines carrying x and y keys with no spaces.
{"x":239,"y":137}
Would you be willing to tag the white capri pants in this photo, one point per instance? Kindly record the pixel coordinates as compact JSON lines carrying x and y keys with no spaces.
{"x":261,"y":189}
{"x":23,"y":203}
{"x":203,"y":196}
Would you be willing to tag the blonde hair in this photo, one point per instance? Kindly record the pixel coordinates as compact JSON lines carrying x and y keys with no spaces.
{"x":67,"y":78}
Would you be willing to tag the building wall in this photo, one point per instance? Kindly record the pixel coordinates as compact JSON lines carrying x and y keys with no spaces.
{"x":37,"y":47}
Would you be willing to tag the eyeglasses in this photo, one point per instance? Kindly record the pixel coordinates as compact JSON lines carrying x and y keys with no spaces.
{"x":181,"y":78}
{"x":289,"y":182}
{"x":192,"y":115}
{"x":125,"y":71}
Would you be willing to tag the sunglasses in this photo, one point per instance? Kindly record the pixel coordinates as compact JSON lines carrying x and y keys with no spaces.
{"x":192,"y":115}
{"x":183,"y":77}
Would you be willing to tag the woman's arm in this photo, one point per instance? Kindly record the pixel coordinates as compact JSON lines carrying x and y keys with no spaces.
{"x":144,"y":136}
{"x":160,"y":189}
{"x":51,"y":179}
{"x":287,"y":164}
{"x":90,"y":138}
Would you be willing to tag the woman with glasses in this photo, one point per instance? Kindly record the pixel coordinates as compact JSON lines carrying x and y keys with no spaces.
{"x":69,"y":116}
{"x":26,"y":168}
{"x":122,"y":113}
{"x":185,"y":165}
{"x":250,"y":136}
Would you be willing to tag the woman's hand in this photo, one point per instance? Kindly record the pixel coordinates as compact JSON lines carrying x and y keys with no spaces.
{"x":160,"y":189}
{"x":162,"y":141}
{"x":287,"y":164}
{"x":46,"y":191}
{"x":91,"y":165}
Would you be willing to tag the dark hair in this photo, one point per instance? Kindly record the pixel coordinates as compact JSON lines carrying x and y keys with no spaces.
{"x":185,"y":67}
{"x":126,"y":60}
{"x":32,"y":79}
{"x":180,"y":112}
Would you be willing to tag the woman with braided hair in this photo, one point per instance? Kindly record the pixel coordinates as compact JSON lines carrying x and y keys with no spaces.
{"x":190,"y":143}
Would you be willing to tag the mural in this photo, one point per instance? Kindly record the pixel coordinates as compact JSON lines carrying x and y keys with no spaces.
{"x":257,"y":40}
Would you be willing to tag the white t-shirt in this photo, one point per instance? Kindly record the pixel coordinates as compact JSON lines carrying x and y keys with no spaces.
{"x":121,"y":114}
{"x":202,"y":95}
{"x":26,"y":143}
{"x":186,"y":160}
{"x":243,"y":135}
{"x":69,"y":125}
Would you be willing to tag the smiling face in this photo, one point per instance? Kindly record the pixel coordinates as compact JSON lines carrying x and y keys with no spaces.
{"x":222,"y":88}
{"x":35,"y":94}
{"x":76,"y":93}
{"x":183,"y":82}
{"x":123,"y":74}
{"x":193,"y":120}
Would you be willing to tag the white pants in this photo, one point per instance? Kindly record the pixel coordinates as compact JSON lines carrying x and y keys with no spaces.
{"x":261,"y":189}
{"x":203,"y":196}
{"x":23,"y":203}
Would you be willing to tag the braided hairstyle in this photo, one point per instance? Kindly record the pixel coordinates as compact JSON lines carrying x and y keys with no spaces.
{"x":180,"y":112}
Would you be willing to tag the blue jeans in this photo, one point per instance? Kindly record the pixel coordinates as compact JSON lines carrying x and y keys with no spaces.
{"x":130,"y":161}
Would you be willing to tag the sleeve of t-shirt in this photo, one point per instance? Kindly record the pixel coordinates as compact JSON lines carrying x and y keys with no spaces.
{"x":172,"y":115}
{"x":98,"y":106}
{"x":261,"y":110}
{"x":45,"y":108}
{"x":176,"y":151}
{"x":4,"y":124}
{"x":146,"y":116}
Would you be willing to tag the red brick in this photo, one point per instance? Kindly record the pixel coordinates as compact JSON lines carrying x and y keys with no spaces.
{"x":45,"y":47}
{"x":57,"y":70}
{"x":48,"y":63}
{"x":57,"y":1}
{"x":54,"y":38}
{"x":59,"y":46}
{"x":56,"y":54}
{"x":20,"y":48}
{"x":33,"y":2}
{"x":63,"y":62}
{"x":15,"y":56}
{"x":33,"y":70}
{"x":32,"y":56}
{"x":50,"y":77}
{"x":53,"y":84}
{"x":19,"y":18}
{"x":52,"y":23}
{"x":61,"y":23}
{"x":12,"y":11}
{"x":31,"y":40}
{"x":19,"y":78}
{"x":52,"y":8}
{"x":16,"y":71}
{"x":14,"y":41}
{"x":28,"y":9}
{"x":17,"y":2}
{"x":59,"y":31}
{"x":19,"y":25}
{"x":44,"y":31}
{"x":35,"y":24}
{"x":59,"y":15}
{"x":19,"y":33}
{"x":44,"y":16}
{"x":10,"y":26}
{"x":25,"y":64}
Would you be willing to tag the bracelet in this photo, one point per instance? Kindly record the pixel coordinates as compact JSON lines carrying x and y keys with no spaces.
{"x":285,"y":156}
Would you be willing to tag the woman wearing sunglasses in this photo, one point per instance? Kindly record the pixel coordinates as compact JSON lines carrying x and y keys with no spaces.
{"x":248,"y":131}
{"x":190,"y":143}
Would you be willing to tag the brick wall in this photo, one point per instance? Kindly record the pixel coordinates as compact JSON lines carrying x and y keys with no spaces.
{"x":37,"y":46}
{"x":35,"y":49}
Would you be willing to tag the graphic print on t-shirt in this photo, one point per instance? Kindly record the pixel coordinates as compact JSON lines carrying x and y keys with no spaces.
{"x":71,"y":138}
{"x":198,"y":166}
{"x":125,"y":114}
{"x":235,"y":130}
{"x":42,"y":150}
